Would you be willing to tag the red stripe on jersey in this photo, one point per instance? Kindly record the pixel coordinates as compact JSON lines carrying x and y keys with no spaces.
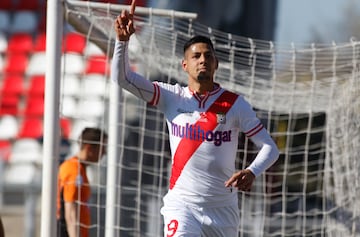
{"x":155,"y":99}
{"x":187,"y":147}
{"x":255,"y":130}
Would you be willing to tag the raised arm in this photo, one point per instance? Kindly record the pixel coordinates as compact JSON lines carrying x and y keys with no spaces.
{"x":121,"y":72}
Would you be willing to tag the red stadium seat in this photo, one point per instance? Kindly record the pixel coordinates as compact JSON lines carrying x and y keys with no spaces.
{"x":34,"y":107}
{"x":40,"y":42}
{"x":37,"y":86}
{"x":5,"y":150}
{"x":13,"y":85}
{"x":31,"y":128}
{"x":20,"y":43}
{"x":97,"y":64}
{"x":16,"y":63}
{"x":65,"y":125}
{"x":74,"y":43}
{"x":9,"y":105}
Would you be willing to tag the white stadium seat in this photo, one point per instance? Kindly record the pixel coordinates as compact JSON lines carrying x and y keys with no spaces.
{"x":9,"y":127}
{"x":26,"y":150}
{"x":73,"y":63}
{"x":3,"y":42}
{"x":68,"y":107}
{"x":71,"y":85}
{"x":37,"y":64}
{"x":93,"y":85}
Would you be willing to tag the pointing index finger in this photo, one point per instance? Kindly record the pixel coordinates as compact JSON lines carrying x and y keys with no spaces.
{"x":132,"y":7}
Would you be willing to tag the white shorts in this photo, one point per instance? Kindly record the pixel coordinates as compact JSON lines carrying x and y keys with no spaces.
{"x":191,"y":221}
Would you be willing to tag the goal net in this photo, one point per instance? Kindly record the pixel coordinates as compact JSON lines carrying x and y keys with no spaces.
{"x":305,"y":94}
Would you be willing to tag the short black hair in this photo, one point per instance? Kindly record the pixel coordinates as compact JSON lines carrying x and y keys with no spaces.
{"x":198,"y":39}
{"x":92,"y":136}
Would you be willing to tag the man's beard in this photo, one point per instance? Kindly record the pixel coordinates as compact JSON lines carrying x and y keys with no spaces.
{"x":203,"y":77}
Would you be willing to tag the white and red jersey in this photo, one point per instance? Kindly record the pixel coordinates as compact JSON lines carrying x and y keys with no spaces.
{"x":203,"y":133}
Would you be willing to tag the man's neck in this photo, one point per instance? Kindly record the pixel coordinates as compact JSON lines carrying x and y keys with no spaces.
{"x":201,"y":87}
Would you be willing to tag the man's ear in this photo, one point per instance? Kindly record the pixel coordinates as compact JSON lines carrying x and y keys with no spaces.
{"x":217,"y":63}
{"x":184,"y":65}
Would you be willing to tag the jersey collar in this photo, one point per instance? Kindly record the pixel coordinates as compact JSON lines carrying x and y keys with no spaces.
{"x":202,"y":98}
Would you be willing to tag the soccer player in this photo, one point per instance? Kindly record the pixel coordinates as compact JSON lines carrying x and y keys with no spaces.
{"x":73,"y":214}
{"x":204,"y":121}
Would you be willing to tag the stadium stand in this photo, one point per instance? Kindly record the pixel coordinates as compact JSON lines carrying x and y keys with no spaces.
{"x":37,"y":64}
{"x":22,"y":85}
{"x":9,"y":105}
{"x":5,"y":148}
{"x":9,"y":127}
{"x":13,"y":85}
{"x":36,"y":86}
{"x":96,"y":64}
{"x":40,"y":42}
{"x":74,"y":43}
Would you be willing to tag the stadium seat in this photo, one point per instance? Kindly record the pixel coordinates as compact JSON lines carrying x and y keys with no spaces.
{"x":97,"y":64}
{"x":29,"y":173}
{"x":9,"y":105}
{"x":5,"y":150}
{"x":34,"y":107}
{"x":24,"y":162}
{"x":16,"y":63}
{"x":37,"y":64}
{"x":70,"y":86}
{"x":9,"y":127}
{"x":31,"y":128}
{"x":13,"y":84}
{"x":68,"y":107}
{"x":74,"y":43}
{"x":65,"y":126}
{"x":92,"y":49}
{"x":36,"y":86}
{"x":3,"y":42}
{"x":5,"y":21}
{"x":93,"y":85}
{"x":97,"y":108}
{"x":40,"y":42}
{"x":26,"y":150}
{"x":20,"y":43}
{"x":72,"y":63}
{"x":24,"y":21}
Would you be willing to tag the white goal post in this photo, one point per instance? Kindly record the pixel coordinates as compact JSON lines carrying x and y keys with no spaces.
{"x":305,"y":94}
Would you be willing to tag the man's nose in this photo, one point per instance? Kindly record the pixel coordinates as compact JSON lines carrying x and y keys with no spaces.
{"x":202,"y":58}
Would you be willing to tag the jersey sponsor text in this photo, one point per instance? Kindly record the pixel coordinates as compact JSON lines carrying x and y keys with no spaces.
{"x":196,"y":133}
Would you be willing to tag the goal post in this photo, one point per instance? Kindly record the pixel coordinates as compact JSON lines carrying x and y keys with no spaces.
{"x":51,"y":118}
{"x":305,"y":94}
